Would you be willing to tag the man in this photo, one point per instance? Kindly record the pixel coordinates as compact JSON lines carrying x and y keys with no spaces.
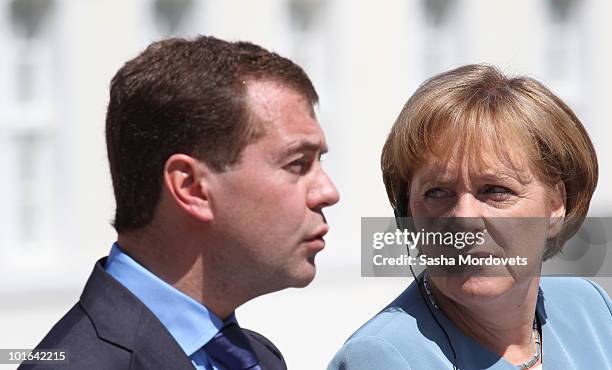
{"x":214,"y":153}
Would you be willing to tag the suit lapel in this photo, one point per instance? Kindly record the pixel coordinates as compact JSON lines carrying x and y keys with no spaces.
{"x":156,"y":349}
{"x":268,"y":355}
{"x":122,"y":319}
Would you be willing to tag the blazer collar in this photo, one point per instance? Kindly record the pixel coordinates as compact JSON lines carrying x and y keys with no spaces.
{"x":122,"y":319}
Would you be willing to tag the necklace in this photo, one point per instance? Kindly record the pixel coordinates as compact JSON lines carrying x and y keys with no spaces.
{"x":535,"y":334}
{"x":532,"y":361}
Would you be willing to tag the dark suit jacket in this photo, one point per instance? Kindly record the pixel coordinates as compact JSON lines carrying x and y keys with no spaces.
{"x":109,"y":328}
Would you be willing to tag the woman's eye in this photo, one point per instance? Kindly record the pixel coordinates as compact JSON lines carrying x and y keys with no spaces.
{"x":493,"y":189}
{"x":497,"y":192}
{"x":437,"y":193}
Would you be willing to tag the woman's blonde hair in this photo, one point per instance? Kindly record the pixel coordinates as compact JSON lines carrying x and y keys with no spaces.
{"x":476,"y":109}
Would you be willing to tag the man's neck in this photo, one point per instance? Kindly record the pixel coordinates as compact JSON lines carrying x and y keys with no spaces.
{"x":184,"y":267}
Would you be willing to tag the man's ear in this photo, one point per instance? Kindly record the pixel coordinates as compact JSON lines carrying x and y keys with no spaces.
{"x":186,"y":180}
{"x":557,"y":210}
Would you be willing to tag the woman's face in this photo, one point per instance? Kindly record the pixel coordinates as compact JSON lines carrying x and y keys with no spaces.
{"x":514,"y":210}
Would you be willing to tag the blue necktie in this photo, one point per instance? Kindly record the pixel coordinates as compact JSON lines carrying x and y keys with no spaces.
{"x":231,"y":348}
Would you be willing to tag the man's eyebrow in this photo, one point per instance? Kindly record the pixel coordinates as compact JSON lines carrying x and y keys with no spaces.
{"x":303,"y":146}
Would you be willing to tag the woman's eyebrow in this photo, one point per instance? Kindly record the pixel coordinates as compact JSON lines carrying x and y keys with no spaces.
{"x":507,"y":176}
{"x":436,"y":178}
{"x":439,"y":176}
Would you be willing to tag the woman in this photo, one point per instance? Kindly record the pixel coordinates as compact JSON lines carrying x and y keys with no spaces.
{"x":488,"y":151}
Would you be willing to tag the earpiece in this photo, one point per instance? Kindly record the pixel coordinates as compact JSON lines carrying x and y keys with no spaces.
{"x":401,"y":219}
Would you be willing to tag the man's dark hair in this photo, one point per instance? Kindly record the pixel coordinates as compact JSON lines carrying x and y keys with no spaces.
{"x":184,"y":96}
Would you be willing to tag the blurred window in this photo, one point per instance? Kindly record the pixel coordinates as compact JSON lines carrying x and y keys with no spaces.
{"x":27,"y":189}
{"x":168,"y":18}
{"x":441,"y":43}
{"x":306,"y":20}
{"x":309,"y":44}
{"x":565,"y":49}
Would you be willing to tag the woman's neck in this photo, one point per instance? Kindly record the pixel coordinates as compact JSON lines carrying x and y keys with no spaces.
{"x":503,"y":325}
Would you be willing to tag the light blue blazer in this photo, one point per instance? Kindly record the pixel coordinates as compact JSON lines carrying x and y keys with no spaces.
{"x":576,"y":318}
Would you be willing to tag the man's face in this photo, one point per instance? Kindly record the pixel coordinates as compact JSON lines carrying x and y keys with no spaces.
{"x":268,"y":210}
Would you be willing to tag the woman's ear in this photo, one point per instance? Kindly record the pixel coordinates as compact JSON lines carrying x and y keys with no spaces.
{"x":557,"y":209}
{"x":186,"y":180}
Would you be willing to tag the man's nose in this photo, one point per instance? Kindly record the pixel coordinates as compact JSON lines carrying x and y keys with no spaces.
{"x":323,"y":193}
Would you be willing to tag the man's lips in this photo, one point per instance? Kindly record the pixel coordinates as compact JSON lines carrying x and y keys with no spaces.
{"x":315,"y":239}
{"x":319,"y":233}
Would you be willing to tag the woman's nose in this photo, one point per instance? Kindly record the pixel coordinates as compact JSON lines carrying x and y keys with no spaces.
{"x":467,"y":213}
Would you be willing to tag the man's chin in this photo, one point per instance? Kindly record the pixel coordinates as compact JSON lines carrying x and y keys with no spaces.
{"x":305,"y":276}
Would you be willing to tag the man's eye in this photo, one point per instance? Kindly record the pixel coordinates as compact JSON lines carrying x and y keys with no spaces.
{"x":437,"y":193}
{"x":299,"y":166}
